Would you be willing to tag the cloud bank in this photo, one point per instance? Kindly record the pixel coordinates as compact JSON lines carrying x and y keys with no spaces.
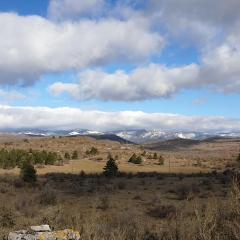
{"x":66,"y":118}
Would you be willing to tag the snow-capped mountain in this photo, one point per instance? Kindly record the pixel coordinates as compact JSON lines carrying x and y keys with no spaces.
{"x":142,"y":136}
{"x":135,"y":136}
{"x":84,"y":132}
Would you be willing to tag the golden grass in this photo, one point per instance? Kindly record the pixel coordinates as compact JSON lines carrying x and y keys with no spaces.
{"x":90,"y":166}
{"x":211,"y":156}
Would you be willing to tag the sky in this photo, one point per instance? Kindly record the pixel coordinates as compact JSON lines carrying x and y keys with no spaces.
{"x":120,"y":64}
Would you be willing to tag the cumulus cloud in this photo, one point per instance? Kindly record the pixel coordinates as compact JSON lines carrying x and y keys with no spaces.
{"x":69,"y":118}
{"x":219,"y":70}
{"x":215,"y":11}
{"x":199,"y":21}
{"x":221,"y":65}
{"x":32,"y":45}
{"x":153,"y":81}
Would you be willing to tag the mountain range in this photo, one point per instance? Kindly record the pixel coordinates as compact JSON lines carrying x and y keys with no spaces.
{"x":138,"y":136}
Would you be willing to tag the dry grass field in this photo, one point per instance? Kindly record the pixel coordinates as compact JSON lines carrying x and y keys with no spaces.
{"x":147,"y":206}
{"x":203,"y":157}
{"x":146,"y":201}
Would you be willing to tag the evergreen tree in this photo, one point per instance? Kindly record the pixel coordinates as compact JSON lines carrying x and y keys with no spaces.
{"x":138,"y":160}
{"x":75,"y":155}
{"x":155,"y":156}
{"x":132,"y":158}
{"x":28,"y":173}
{"x":135,"y":159}
{"x":111,"y":168}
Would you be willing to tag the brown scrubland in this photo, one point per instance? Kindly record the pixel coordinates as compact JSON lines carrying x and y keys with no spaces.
{"x":193,"y":194}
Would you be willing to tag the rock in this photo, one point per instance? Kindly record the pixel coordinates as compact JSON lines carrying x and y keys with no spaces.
{"x":44,"y":233}
{"x":42,"y":228}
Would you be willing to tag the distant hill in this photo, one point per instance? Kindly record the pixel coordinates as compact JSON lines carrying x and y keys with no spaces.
{"x":178,"y":143}
{"x":111,"y":137}
{"x":172,"y":144}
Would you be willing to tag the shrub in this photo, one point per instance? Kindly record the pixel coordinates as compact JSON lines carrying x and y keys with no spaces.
{"x":161,"y":160}
{"x":92,"y":151}
{"x":67,"y":155}
{"x":144,"y":153}
{"x":164,"y":211}
{"x":28,"y":173}
{"x":75,"y":155}
{"x":121,"y":185}
{"x":238,"y":158}
{"x":7,"y":218}
{"x":104,"y":203}
{"x":149,"y":156}
{"x":51,"y":158}
{"x":155,"y":156}
{"x":48,"y":197}
{"x":18,"y":183}
{"x":111,"y":168}
{"x":135,"y":159}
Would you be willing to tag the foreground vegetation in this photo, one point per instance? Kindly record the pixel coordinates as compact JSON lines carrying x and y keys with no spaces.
{"x":144,"y":206}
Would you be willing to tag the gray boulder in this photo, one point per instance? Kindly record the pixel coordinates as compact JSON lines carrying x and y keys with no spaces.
{"x":44,"y":232}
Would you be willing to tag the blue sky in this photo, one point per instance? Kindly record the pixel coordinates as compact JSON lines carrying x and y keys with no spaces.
{"x":118,"y":56}
{"x":28,"y":7}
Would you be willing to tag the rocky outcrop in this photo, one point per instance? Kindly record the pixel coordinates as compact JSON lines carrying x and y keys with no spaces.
{"x":44,"y":232}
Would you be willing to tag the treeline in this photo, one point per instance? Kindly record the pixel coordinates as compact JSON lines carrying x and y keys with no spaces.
{"x":17,"y":157}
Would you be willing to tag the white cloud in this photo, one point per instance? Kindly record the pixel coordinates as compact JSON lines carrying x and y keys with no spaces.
{"x":153,"y":81}
{"x":221,"y":65}
{"x":31,"y":46}
{"x":70,"y":118}
{"x":219,"y":70}
{"x":60,"y":9}
{"x":199,"y":21}
{"x":216,"y":11}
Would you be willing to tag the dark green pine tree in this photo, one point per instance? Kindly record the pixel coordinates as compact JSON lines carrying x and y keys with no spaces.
{"x":28,"y":173}
{"x":111,"y":168}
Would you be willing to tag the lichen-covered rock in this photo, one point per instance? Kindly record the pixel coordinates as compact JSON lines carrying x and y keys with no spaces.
{"x":44,"y":233}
